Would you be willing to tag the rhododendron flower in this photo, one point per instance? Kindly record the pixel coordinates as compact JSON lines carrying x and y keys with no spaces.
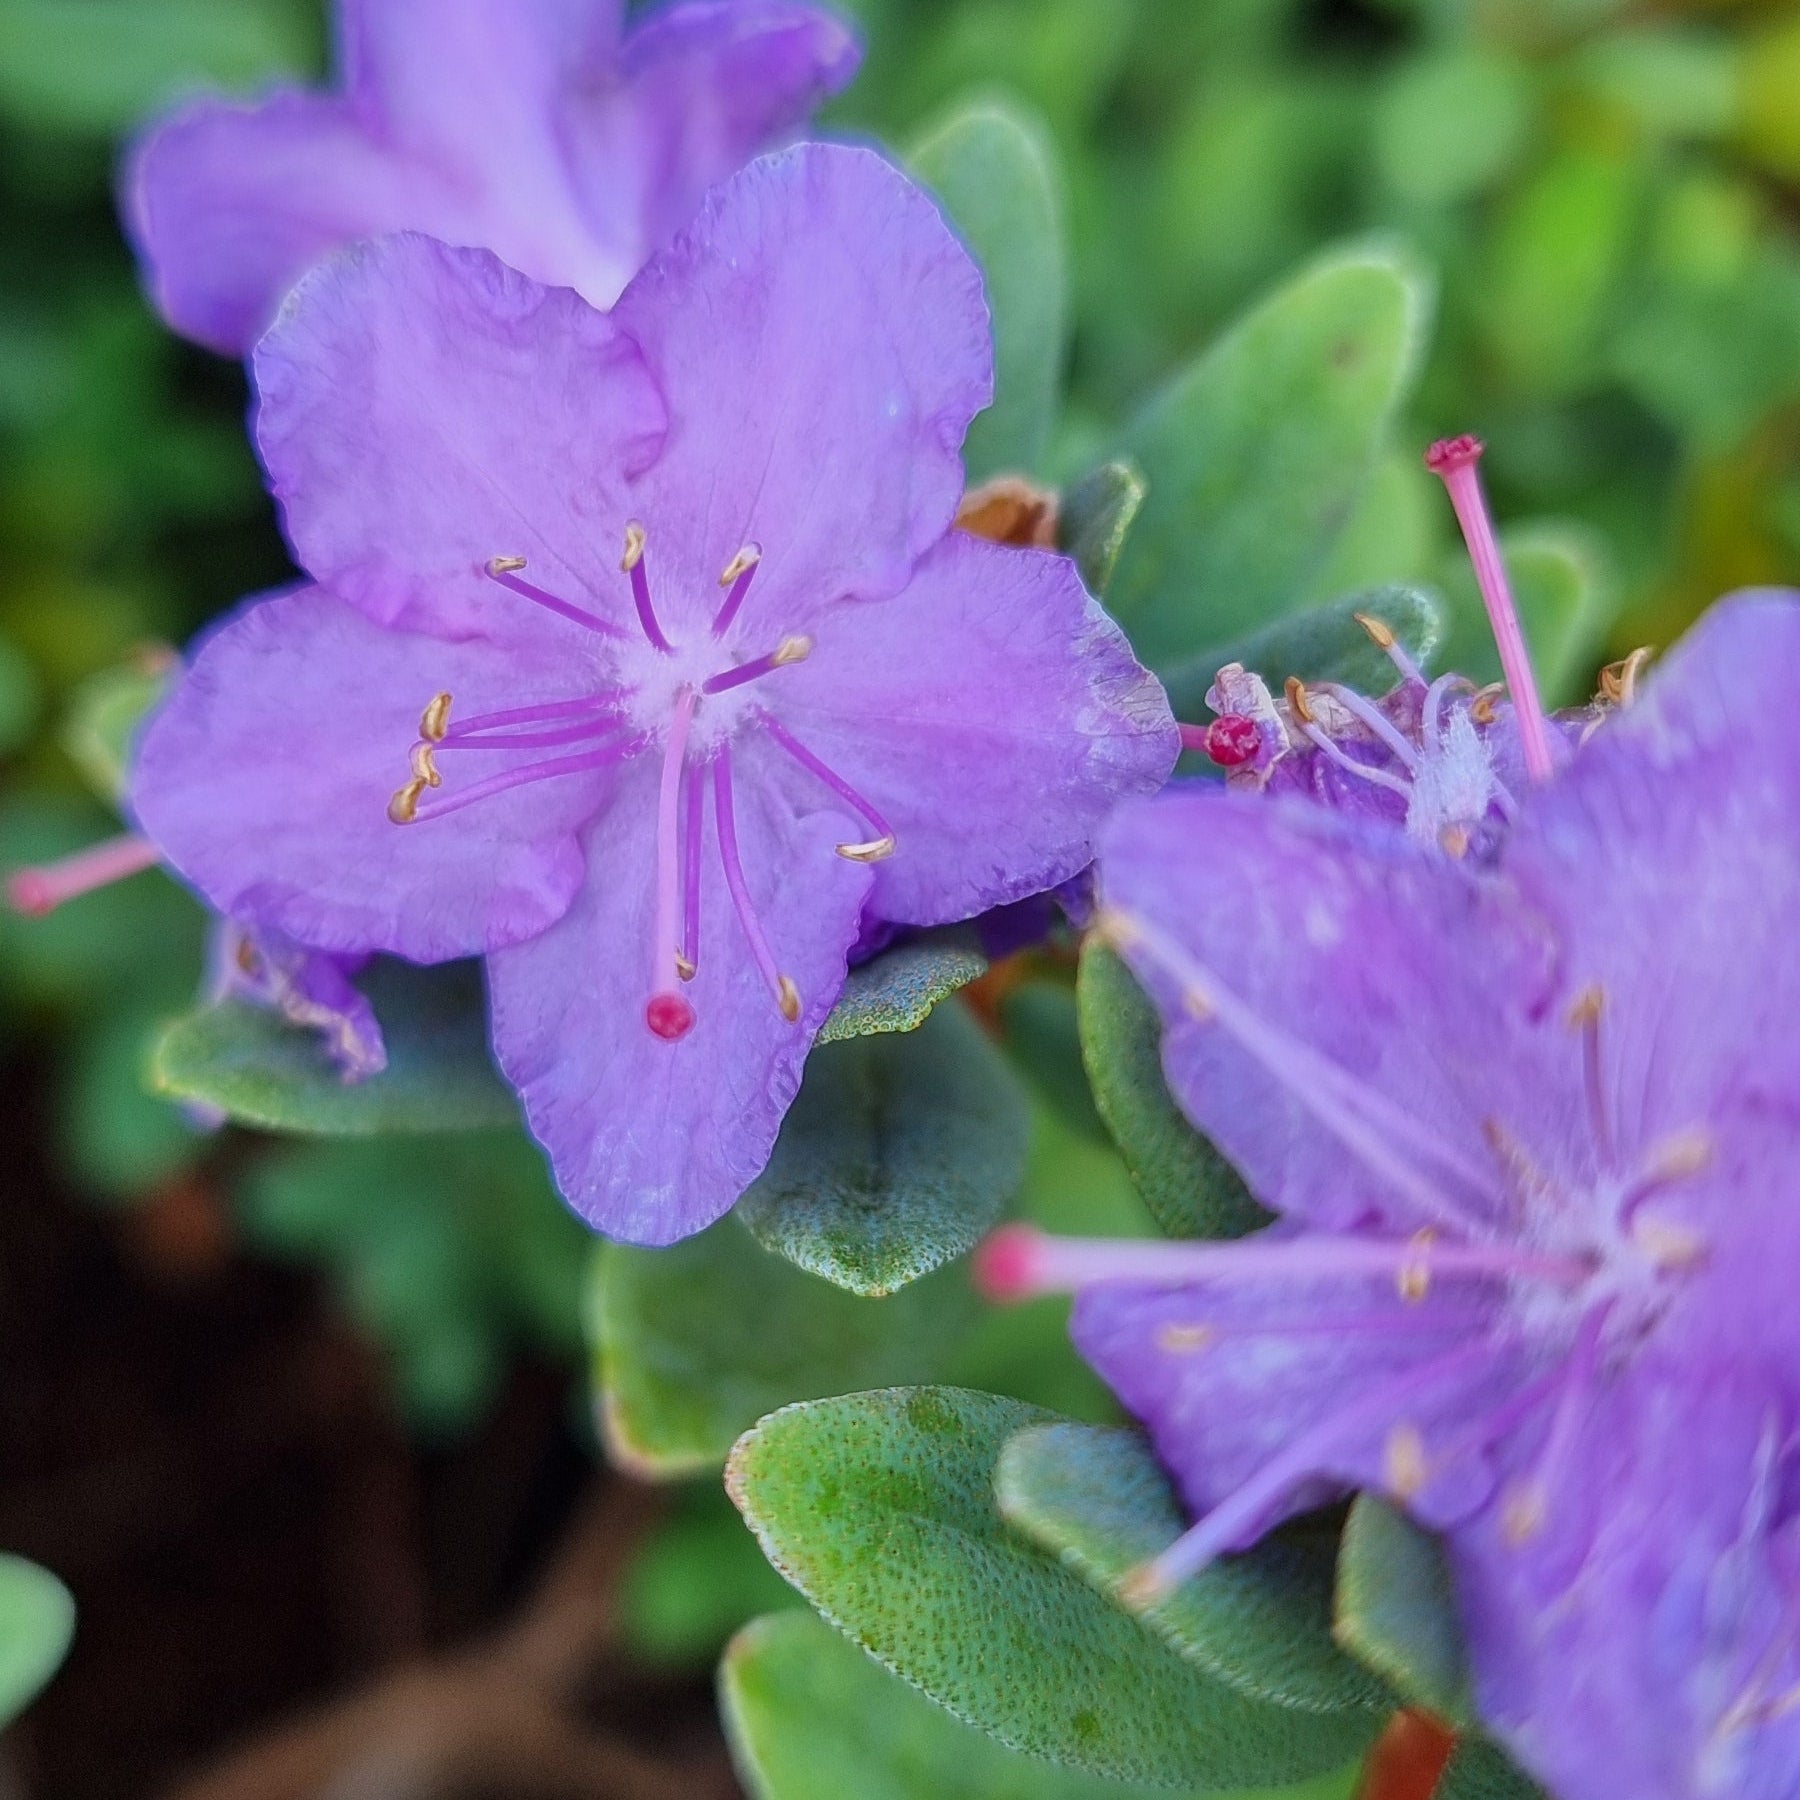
{"x":1531,"y":1127}
{"x":645,"y":657}
{"x":542,"y":130}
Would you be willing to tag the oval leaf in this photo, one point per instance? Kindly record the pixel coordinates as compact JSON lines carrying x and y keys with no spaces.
{"x":250,"y":1064}
{"x":694,"y":1343}
{"x":37,"y":1620}
{"x":1096,"y":1495}
{"x":897,"y":990}
{"x":992,"y":166}
{"x":880,"y":1509}
{"x":1257,"y":454}
{"x":104,"y":716}
{"x":899,"y":1153}
{"x":1189,"y":1188}
{"x":810,"y":1717}
{"x":1095,"y":516}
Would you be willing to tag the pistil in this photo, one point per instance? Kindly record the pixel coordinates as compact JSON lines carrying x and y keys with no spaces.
{"x":667,"y":1014}
{"x":42,"y":889}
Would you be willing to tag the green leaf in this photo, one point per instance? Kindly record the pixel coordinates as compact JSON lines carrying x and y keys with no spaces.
{"x":896,"y":990}
{"x":810,"y":1717}
{"x":879,"y":1508}
{"x":1190,"y":1189}
{"x":1395,"y":1609}
{"x":1480,"y":1770}
{"x":21,"y":699}
{"x":1565,"y":598}
{"x":992,"y":165}
{"x":1323,"y":643}
{"x":103,"y":719}
{"x":258,"y":1069}
{"x":37,"y":1620}
{"x":1096,"y":515}
{"x":1097,"y":1497}
{"x":899,"y":1153}
{"x":1043,"y":1039}
{"x":1257,"y":454}
{"x":694,"y":1343}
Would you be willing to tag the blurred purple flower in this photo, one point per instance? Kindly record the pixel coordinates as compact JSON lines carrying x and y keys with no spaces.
{"x":539,"y":129}
{"x":1532,"y":1129}
{"x":701,"y":777}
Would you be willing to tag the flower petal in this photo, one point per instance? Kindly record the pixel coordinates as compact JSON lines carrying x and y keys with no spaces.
{"x":823,"y":342}
{"x":265,"y":780}
{"x":423,"y":409}
{"x":993,"y":715}
{"x":651,"y":1141}
{"x":1419,"y":980}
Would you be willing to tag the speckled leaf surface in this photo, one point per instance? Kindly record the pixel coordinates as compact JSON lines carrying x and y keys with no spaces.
{"x":1097,"y":513}
{"x":1189,"y":1188}
{"x":37,"y":1620}
{"x":256,"y":1068}
{"x":897,"y":990}
{"x":898,"y":1154}
{"x":695,"y":1343}
{"x":879,"y":1507}
{"x":811,"y":1717}
{"x":1095,"y":1495}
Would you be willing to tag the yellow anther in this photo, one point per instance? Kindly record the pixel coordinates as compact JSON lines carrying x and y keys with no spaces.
{"x":1587,"y":1006}
{"x":876,"y":850}
{"x":1523,"y":1512}
{"x":1484,"y":708}
{"x":1668,"y":1246}
{"x":1300,"y":701}
{"x":1196,"y":1002}
{"x":1186,"y":1340}
{"x":746,"y":558}
{"x":1687,"y":1153}
{"x":1454,"y":841}
{"x":1379,"y":635}
{"x":1413,"y":1278}
{"x":404,"y":806}
{"x":505,"y":565}
{"x":434,"y":721}
{"x":686,"y":967}
{"x":424,"y":766}
{"x":791,"y":650}
{"x":1142,"y":1587}
{"x":1405,"y":1466}
{"x":634,"y":546}
{"x":1618,"y":681}
{"x":1116,"y":930}
{"x":790,"y":1000}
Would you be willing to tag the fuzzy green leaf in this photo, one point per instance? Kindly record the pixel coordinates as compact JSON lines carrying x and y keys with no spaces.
{"x":37,"y":1620}
{"x":1096,"y":516}
{"x":1480,"y":1770}
{"x":896,"y":990}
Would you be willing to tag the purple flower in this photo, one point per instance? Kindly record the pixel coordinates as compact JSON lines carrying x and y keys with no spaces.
{"x":1532,"y":1131}
{"x":538,"y":129}
{"x":658,"y":795}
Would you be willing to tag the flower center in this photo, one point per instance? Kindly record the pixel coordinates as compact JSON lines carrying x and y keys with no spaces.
{"x":686,"y":700}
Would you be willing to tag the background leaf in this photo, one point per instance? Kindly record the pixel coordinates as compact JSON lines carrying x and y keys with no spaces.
{"x":896,"y":990}
{"x":1480,"y":1770}
{"x":898,"y":1154}
{"x":37,"y":1620}
{"x":1097,"y":514}
{"x":879,"y":1507}
{"x":103,"y":719}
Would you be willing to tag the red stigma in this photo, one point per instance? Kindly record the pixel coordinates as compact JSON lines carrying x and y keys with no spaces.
{"x":1004,"y":1266}
{"x":1232,"y":740}
{"x":669,"y":1016}
{"x":1450,"y":454}
{"x":29,"y":893}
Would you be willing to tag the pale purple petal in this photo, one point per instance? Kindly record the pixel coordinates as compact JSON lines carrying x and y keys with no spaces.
{"x":651,"y":1140}
{"x":822,"y":339}
{"x":422,"y":410}
{"x":310,"y":988}
{"x":991,"y":713}
{"x":265,"y":780}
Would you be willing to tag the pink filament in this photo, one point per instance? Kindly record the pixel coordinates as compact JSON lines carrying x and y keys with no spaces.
{"x":734,"y":874}
{"x":690,"y":866}
{"x":574,"y":614}
{"x":838,"y":785}
{"x":750,"y":671}
{"x":437,"y":807}
{"x":528,"y":740}
{"x":532,"y":715}
{"x":666,"y":946}
{"x":40,"y":890}
{"x":646,"y":612}
{"x":1455,"y":460}
{"x":734,"y":600}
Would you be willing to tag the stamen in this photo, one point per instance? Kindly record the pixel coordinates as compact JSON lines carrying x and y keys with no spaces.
{"x":1240,"y":1512}
{"x":434,"y":721}
{"x":687,"y":964}
{"x":1405,"y":1465}
{"x":404,"y":808}
{"x":737,"y":576}
{"x":1584,"y":1016}
{"x":1455,"y":460}
{"x":789,"y":650}
{"x":1618,"y":680}
{"x":1299,"y":703}
{"x":1361,"y":1118}
{"x":1348,"y":763}
{"x":1370,"y":715}
{"x":1383,"y":638}
{"x":633,"y":565}
{"x":667,"y":1014}
{"x":1526,"y":1505}
{"x":424,"y":766}
{"x":787,"y":996}
{"x":883,"y":843}
{"x":1020,"y":1262}
{"x":505,"y":570}
{"x":1484,"y":709}
{"x":464,"y":739}
{"x":1431,"y":718}
{"x":43,"y":888}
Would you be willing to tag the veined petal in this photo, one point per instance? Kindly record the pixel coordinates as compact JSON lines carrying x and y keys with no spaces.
{"x":423,"y":410}
{"x":265,"y":779}
{"x":652,"y":1140}
{"x":992,"y":714}
{"x":822,"y":340}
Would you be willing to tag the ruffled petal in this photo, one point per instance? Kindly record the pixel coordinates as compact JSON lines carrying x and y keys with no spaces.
{"x":991,"y":713}
{"x":422,"y":410}
{"x":265,"y":779}
{"x":651,"y":1141}
{"x":823,"y":342}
